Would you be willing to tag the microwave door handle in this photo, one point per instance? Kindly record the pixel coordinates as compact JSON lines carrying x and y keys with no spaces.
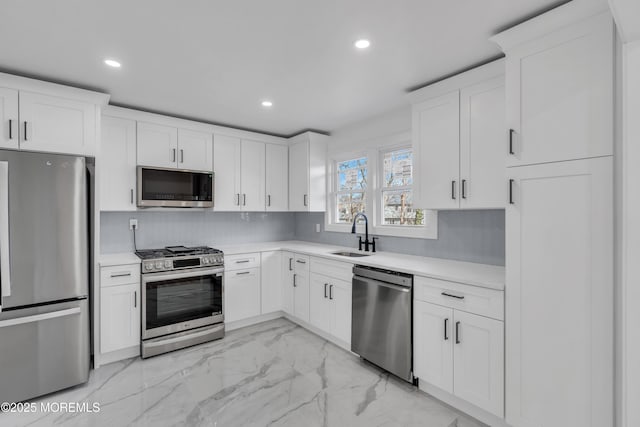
{"x":5,"y":265}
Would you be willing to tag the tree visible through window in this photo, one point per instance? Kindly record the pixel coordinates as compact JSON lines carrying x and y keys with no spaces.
{"x":351,"y":188}
{"x":397,"y":189}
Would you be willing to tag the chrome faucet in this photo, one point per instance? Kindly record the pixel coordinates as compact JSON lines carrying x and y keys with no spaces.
{"x":366,"y":234}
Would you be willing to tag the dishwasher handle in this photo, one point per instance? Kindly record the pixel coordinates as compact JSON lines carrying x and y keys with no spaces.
{"x":374,"y":282}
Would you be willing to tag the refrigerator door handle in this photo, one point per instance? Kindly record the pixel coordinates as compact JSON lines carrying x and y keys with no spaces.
{"x":39,"y":317}
{"x":5,"y":267}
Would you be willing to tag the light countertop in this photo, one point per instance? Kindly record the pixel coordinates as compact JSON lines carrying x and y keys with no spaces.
{"x":486,"y":276}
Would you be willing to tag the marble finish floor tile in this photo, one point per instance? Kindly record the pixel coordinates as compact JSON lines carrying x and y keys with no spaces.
{"x":272,"y":374}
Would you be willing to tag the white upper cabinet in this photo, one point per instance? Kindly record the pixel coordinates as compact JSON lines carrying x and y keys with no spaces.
{"x":9,"y":118}
{"x":239,"y":174}
{"x":118,"y":164}
{"x":167,"y":146}
{"x":195,"y":150}
{"x":307,"y":172}
{"x":437,"y":151}
{"x":277,"y":177}
{"x":47,"y":117}
{"x":459,"y":138}
{"x":252,"y":186}
{"x":482,"y":145}
{"x":157,"y":145}
{"x":226,"y":169}
{"x":559,"y":299}
{"x":559,"y":90}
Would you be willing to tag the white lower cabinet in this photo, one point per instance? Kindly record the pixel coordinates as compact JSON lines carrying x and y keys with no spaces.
{"x":330,"y":306}
{"x":241,"y":294}
{"x":460,"y":352}
{"x":301,"y":287}
{"x":119,"y":317}
{"x":287,"y":282}
{"x":271,"y":283}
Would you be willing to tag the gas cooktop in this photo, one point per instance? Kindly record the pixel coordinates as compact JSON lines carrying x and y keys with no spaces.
{"x":173,"y":258}
{"x":176,"y":251}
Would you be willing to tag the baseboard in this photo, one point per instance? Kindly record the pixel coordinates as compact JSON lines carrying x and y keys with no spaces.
{"x":463,"y":406}
{"x":115,"y":356}
{"x":230,"y":326}
{"x":342,"y":344}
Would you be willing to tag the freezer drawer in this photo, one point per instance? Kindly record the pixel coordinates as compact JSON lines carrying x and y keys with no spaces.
{"x":43,"y":349}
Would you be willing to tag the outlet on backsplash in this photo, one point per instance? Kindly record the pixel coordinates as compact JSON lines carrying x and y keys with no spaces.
{"x":133,"y":224}
{"x":317,"y":228}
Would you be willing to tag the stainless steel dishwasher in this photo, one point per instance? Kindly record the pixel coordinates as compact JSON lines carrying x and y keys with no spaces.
{"x":381,"y":316}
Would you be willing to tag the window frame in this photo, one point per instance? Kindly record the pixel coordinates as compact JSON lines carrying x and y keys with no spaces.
{"x":374,"y":153}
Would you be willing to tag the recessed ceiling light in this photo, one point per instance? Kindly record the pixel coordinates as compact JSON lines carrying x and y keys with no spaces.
{"x":112,"y":63}
{"x":267,"y":104}
{"x":362,"y":44}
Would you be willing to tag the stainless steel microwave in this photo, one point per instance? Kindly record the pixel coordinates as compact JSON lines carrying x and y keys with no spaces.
{"x":161,"y":187}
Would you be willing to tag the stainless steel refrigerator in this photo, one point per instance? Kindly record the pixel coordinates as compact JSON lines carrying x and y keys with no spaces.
{"x":44,"y":274}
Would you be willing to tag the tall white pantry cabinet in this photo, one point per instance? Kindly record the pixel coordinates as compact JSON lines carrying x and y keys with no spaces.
{"x":559,"y":219}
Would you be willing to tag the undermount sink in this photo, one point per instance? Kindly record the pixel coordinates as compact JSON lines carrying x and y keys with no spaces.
{"x":350,"y":254}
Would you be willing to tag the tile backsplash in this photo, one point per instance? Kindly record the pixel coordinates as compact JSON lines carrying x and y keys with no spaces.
{"x":474,"y":236}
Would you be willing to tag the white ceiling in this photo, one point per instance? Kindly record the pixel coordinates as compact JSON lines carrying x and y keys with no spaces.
{"x":215,"y":60}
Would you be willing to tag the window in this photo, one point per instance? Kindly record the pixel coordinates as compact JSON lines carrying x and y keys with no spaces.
{"x":397,"y":189}
{"x":351,"y":186}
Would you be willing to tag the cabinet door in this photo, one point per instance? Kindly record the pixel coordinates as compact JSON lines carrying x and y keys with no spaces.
{"x":560,"y":294}
{"x":340,"y":313}
{"x":271,"y":283}
{"x":287,"y":281}
{"x":119,"y":317}
{"x":118,"y":162}
{"x":277,"y":177}
{"x":241,"y":294}
{"x":195,"y":150}
{"x":226,"y":169}
{"x":319,"y":304}
{"x":57,"y":125}
{"x":560,"y":94}
{"x":433,"y":344}
{"x":299,"y":177}
{"x":436,"y":145}
{"x":9,"y":118}
{"x":483,"y":138}
{"x":301,"y":287}
{"x":252,"y":175}
{"x":157,"y":145}
{"x":478,"y":361}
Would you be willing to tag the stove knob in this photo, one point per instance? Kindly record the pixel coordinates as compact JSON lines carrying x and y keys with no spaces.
{"x":167,"y":264}
{"x":148,"y":266}
{"x":159,"y":265}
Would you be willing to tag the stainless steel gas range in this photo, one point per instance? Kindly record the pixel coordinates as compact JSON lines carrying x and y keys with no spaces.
{"x":182,"y":297}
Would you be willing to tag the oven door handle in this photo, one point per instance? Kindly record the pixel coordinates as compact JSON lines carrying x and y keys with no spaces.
{"x":157,"y":277}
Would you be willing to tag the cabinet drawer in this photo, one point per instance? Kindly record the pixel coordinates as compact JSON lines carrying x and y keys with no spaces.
{"x":242,"y":261}
{"x":336,"y":269}
{"x":472,"y":299}
{"x":119,"y":275}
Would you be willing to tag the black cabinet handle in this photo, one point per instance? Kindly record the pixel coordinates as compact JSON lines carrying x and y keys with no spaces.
{"x":294,"y":280}
{"x":330,"y":291}
{"x":325,"y":290}
{"x":181,"y":155}
{"x":135,"y":299}
{"x":451,"y":295}
{"x":305,"y":200}
{"x":446,"y":324}
{"x":10,"y":129}
{"x":290,"y":266}
{"x":269,"y":200}
{"x":301,"y":261}
{"x":25,"y":130}
{"x":132,"y":196}
{"x":238,"y":199}
{"x":464,"y":189}
{"x":511,"y":202}
{"x":511,"y":132}
{"x":457,"y":332}
{"x":244,"y":200}
{"x":453,"y":190}
{"x":242,"y":273}
{"x":173,"y":157}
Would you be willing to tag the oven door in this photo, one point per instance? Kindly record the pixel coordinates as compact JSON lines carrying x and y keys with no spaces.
{"x":174,"y":188}
{"x":177,"y":301}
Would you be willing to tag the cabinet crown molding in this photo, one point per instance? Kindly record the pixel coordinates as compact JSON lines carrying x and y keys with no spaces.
{"x":53,"y":89}
{"x":553,"y":20}
{"x":466,"y":78}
